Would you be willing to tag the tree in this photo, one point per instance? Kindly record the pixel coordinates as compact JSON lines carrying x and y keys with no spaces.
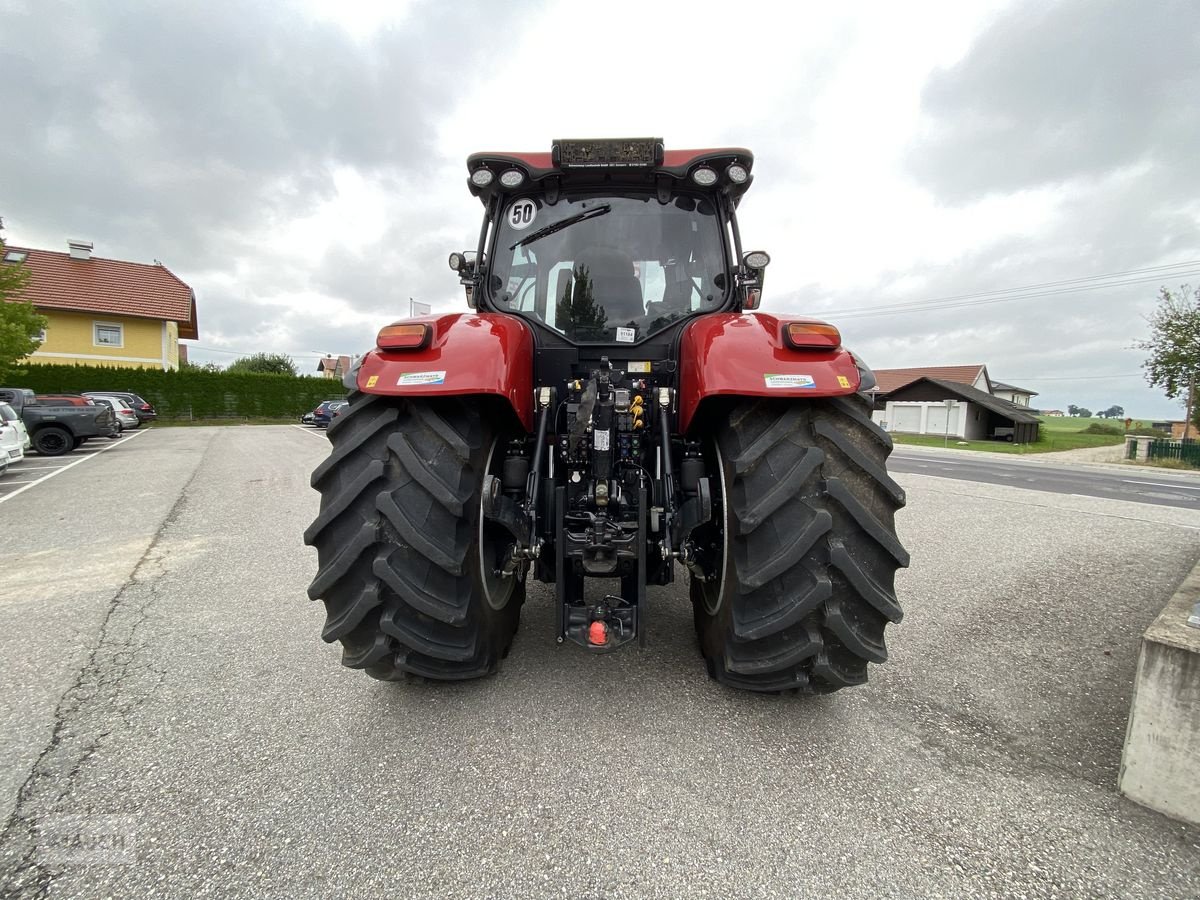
{"x":20,"y":324}
{"x":185,"y":365}
{"x":578,"y":314}
{"x":1084,"y":412}
{"x":1072,"y":410}
{"x":1113,"y":412}
{"x":264,"y":364}
{"x":1174,"y":347}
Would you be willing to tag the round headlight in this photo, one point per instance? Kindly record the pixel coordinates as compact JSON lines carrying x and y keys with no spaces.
{"x":512,"y":178}
{"x":482,"y":177}
{"x":757,"y":259}
{"x":457,"y":262}
{"x":704,"y":176}
{"x":737,"y":173}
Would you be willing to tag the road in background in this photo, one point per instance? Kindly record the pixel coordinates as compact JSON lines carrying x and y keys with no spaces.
{"x":168,"y":686}
{"x":1138,"y":484}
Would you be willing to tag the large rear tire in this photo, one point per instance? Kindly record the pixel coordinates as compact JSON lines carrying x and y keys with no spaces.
{"x":405,"y":563}
{"x":805,"y":542}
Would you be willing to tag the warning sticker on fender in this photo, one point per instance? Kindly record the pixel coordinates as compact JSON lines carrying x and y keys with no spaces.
{"x":626,"y":335}
{"x":411,"y":378}
{"x":789,"y":381}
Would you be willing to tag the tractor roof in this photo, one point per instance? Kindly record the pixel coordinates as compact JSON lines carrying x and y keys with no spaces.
{"x":620,"y":162}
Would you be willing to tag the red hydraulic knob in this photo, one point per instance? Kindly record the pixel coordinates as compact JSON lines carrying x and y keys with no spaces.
{"x":598,"y":634}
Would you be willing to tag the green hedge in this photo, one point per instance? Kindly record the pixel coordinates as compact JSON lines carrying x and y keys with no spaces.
{"x":188,"y":393}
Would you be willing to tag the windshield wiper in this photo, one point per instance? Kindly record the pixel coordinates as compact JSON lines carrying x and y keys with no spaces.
{"x":561,"y":224}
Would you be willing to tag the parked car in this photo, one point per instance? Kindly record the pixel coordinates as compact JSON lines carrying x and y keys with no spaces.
{"x":65,"y":400}
{"x":57,"y":427}
{"x":127,"y":417}
{"x":10,"y":416}
{"x":145,"y":412}
{"x":323,"y":414}
{"x":14,"y":438}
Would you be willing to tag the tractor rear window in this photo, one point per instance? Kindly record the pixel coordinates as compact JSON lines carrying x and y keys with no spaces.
{"x":608,"y":268}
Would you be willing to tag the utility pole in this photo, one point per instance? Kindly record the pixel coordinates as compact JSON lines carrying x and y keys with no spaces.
{"x":1191,"y":405}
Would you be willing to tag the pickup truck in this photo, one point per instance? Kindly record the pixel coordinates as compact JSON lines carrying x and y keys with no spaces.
{"x":55,"y":428}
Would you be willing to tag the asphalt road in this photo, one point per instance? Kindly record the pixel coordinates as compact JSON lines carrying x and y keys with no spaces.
{"x":1137,"y":484}
{"x":171,"y":711}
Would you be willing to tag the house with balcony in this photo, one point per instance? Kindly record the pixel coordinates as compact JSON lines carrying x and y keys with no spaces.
{"x":106,"y":312}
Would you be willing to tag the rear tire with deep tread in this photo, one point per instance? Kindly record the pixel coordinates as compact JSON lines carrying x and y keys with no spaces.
{"x":398,"y":538}
{"x":807,"y":583}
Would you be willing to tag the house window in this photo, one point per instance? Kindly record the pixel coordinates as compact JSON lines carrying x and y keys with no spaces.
{"x":108,"y":335}
{"x":40,"y":337}
{"x":15,"y":256}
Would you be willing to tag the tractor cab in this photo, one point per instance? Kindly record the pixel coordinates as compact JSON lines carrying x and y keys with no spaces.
{"x":611,"y":241}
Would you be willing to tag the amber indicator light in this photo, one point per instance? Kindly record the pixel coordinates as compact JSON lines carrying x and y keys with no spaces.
{"x":402,"y":337}
{"x":812,"y":335}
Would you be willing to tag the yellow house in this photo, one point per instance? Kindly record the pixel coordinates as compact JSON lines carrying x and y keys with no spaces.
{"x":106,"y":311}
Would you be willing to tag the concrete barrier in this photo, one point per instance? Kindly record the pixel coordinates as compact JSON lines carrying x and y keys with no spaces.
{"x":1160,"y":767}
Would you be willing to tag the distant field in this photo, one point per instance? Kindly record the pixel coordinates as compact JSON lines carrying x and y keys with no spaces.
{"x":1056,"y":434}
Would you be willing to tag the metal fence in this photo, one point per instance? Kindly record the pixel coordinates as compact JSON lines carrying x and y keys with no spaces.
{"x":1186,"y":451}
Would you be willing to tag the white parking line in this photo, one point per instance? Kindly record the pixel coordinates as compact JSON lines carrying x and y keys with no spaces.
{"x":1171,"y":487}
{"x":319,"y":434}
{"x":58,"y":469}
{"x":13,"y":468}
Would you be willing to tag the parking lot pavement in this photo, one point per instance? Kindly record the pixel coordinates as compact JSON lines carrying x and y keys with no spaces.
{"x":35,"y":468}
{"x":178,"y":712}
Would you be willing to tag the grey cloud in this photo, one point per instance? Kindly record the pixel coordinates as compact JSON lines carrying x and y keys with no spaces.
{"x":1070,"y":90}
{"x":171,"y":130}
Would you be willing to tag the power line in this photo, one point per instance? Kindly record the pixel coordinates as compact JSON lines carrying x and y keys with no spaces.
{"x":1072,"y":377}
{"x":248,"y":353}
{"x":1184,"y":269}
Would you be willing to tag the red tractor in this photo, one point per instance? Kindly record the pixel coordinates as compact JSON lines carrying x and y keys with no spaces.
{"x":610,"y":408}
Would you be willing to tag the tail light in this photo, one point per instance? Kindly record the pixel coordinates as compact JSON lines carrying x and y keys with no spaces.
{"x":402,"y":337}
{"x":812,"y":335}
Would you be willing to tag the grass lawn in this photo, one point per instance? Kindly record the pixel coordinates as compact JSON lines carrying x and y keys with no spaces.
{"x":1056,"y":434}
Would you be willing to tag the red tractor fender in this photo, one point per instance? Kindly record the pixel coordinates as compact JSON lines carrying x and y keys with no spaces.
{"x":468,"y":353}
{"x":745,"y":354}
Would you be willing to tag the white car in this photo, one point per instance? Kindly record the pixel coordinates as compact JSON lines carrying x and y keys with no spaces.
{"x":14,"y":438}
{"x":127,"y":417}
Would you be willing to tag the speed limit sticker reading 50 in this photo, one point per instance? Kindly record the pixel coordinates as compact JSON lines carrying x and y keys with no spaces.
{"x":522,"y":213}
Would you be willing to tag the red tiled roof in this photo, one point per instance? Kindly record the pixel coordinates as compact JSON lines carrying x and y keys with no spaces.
{"x":893,"y":379}
{"x":333,"y":364}
{"x":111,"y":286}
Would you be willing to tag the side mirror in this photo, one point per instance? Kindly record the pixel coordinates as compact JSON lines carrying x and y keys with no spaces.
{"x":754,"y":265}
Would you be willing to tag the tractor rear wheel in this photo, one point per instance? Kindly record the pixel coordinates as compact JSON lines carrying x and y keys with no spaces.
{"x":805,"y":545}
{"x":406,"y":564}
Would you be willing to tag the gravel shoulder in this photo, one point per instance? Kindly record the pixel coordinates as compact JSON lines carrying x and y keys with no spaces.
{"x":182,"y":689}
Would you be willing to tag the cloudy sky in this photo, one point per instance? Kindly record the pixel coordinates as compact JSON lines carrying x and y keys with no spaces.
{"x":302,"y":164}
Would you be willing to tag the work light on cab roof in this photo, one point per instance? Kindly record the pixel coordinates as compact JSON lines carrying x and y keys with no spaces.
{"x":625,"y":161}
